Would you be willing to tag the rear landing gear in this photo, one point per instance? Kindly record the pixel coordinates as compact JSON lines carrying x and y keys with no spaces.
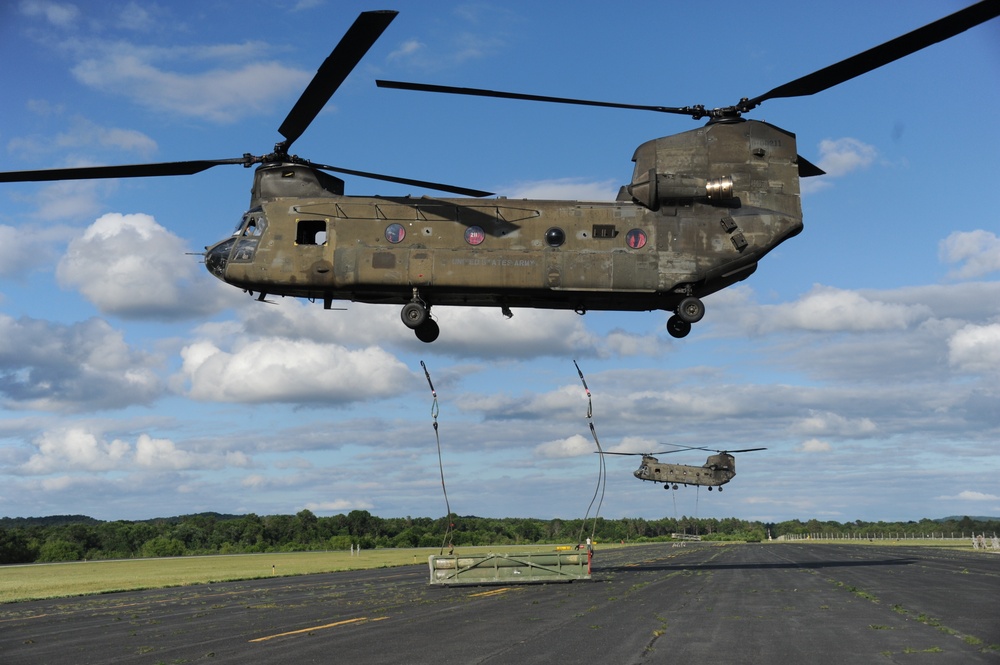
{"x":416,"y":316}
{"x":678,"y":327}
{"x":690,"y":310}
{"x":428,"y":331}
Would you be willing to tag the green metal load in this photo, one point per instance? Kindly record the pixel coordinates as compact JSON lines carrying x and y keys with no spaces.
{"x":494,"y":568}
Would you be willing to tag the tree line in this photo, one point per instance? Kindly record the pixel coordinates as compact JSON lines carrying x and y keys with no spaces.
{"x":77,"y":537}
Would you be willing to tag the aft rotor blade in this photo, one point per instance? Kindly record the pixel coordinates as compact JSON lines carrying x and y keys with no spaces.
{"x":892,"y":50}
{"x":121,"y":171}
{"x":360,"y":37}
{"x":745,"y":450}
{"x":454,"y":189}
{"x":478,"y":92}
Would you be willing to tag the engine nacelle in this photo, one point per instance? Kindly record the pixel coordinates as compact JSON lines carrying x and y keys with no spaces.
{"x":655,"y":188}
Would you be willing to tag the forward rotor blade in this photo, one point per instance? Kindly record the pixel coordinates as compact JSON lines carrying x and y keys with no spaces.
{"x":360,"y":37}
{"x":477,"y":92}
{"x":892,"y":50}
{"x":464,"y":191}
{"x":122,"y":171}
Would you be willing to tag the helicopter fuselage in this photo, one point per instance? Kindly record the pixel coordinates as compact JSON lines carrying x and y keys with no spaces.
{"x":702,"y":209}
{"x":717,"y":470}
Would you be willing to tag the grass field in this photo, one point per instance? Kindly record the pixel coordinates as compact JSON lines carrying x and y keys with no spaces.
{"x":58,"y":580}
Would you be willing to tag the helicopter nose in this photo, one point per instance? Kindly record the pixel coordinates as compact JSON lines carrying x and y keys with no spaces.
{"x":217,"y":257}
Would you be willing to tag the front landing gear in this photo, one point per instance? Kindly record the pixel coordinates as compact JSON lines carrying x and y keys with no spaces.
{"x":690,"y":310}
{"x":416,"y":316}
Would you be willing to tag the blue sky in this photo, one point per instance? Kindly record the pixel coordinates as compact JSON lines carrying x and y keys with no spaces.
{"x":864,"y":353}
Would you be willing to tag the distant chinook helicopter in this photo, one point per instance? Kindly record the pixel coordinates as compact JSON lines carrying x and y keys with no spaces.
{"x":717,"y":470}
{"x":702,"y":208}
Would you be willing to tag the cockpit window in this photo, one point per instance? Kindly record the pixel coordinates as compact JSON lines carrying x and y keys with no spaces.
{"x":252,"y":223}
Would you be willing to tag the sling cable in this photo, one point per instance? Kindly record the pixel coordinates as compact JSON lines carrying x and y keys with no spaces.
{"x":437,"y":435}
{"x":602,"y":471}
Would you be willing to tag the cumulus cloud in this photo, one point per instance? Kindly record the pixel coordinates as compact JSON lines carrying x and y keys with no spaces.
{"x":88,"y":365}
{"x":976,"y":348}
{"x":814,"y":446}
{"x":834,"y":423}
{"x":839,"y":157}
{"x":978,"y":252}
{"x":294,"y":371}
{"x":130,"y":266}
{"x":572,"y":446}
{"x":828,"y":309}
{"x":77,"y":449}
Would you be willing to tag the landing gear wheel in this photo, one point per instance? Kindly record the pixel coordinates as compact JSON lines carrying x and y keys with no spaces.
{"x":678,"y":327}
{"x":720,"y":489}
{"x":414,"y":315}
{"x":691,"y":310}
{"x":428,"y":331}
{"x":709,"y":488}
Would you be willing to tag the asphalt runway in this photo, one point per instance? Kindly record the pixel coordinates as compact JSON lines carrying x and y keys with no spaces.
{"x":754,"y":603}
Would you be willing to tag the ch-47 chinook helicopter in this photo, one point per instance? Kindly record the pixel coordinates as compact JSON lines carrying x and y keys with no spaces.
{"x":717,"y":470}
{"x":702,"y":209}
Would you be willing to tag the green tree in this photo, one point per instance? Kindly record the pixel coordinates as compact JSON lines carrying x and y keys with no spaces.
{"x":60,"y":550}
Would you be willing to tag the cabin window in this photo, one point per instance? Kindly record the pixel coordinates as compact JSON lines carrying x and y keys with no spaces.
{"x":555,"y":237}
{"x":474,"y":235}
{"x":395,"y":233}
{"x":636,"y":238}
{"x":311,"y":232}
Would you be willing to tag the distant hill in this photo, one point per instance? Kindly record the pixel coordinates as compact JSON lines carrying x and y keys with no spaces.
{"x":51,"y":520}
{"x":62,"y":520}
{"x":974,"y":518}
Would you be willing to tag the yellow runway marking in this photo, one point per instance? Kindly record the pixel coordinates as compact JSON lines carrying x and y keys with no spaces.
{"x":309,"y":630}
{"x":490,"y":593}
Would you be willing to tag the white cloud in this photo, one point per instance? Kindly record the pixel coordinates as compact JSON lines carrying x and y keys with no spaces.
{"x":23,"y":249}
{"x":220,"y":94}
{"x":572,"y":189}
{"x":976,"y":348}
{"x":572,"y":446}
{"x":406,"y":50}
{"x":834,"y":424}
{"x":829,"y":309}
{"x":969,"y":495}
{"x":75,"y":449}
{"x":86,"y":365}
{"x":978,"y":252}
{"x":78,"y":449}
{"x":839,"y":157}
{"x":130,"y":266}
{"x":61,"y":14}
{"x":296,"y":371}
{"x":814,"y":446}
{"x":339,"y":506}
